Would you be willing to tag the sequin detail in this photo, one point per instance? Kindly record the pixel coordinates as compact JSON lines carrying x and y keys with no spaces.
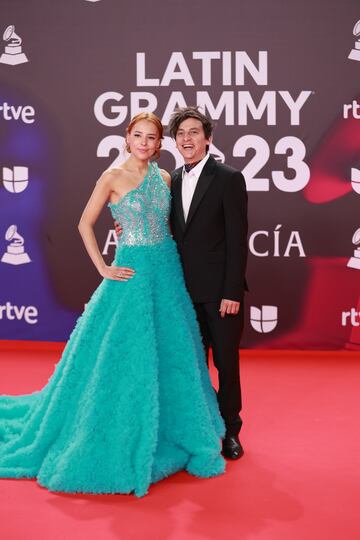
{"x":144,"y":211}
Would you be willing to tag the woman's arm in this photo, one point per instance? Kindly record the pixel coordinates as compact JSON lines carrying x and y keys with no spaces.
{"x":92,"y":210}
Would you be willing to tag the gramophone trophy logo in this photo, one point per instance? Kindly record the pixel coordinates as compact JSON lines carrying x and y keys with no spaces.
{"x":354,"y":261}
{"x":15,"y":252}
{"x":15,"y":180}
{"x":13,"y":54}
{"x":355,"y":52}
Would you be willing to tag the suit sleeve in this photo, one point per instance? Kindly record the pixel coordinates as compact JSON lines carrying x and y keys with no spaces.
{"x":236,"y":231}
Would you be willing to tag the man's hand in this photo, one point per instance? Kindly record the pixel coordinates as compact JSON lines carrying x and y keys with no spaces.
{"x":229,"y":307}
{"x":118,"y":228}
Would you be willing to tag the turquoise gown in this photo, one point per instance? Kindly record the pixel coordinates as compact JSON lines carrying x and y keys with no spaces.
{"x":130,"y":402}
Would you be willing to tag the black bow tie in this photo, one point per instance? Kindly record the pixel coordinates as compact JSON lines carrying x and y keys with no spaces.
{"x":189,"y":166}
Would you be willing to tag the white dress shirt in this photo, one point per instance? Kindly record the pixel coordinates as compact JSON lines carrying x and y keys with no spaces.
{"x":189,"y":182}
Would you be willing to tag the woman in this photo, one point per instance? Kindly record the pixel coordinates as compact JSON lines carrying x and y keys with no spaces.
{"x":130,"y":402}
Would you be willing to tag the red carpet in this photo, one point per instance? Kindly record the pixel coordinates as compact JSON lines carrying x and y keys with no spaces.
{"x":299,"y":478}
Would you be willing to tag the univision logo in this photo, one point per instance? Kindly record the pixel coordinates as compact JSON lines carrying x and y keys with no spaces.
{"x":355,"y":180}
{"x":265,"y":319}
{"x":16,"y":179}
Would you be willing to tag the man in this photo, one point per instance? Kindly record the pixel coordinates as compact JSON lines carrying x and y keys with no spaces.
{"x":209,"y":225}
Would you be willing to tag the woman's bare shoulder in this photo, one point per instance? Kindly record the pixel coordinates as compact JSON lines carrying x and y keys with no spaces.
{"x":166,"y":176}
{"x":110,"y":176}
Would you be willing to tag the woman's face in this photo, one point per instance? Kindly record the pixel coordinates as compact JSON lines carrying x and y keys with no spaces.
{"x":143,"y":140}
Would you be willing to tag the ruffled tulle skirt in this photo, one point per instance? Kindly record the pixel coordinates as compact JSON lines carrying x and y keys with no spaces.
{"x":130,"y":402}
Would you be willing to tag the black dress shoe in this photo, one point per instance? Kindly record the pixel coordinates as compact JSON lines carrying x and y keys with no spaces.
{"x":231,"y":447}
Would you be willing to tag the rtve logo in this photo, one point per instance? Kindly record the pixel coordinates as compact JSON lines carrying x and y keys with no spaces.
{"x":25,"y":113}
{"x":269,"y":243}
{"x":352,"y":109}
{"x":351,"y":317}
{"x":265,"y":319}
{"x":10,"y":312}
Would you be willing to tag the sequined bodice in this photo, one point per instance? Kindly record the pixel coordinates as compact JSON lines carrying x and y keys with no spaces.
{"x":143,"y":212}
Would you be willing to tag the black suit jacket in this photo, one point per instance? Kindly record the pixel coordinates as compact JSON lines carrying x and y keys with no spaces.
{"x":213,"y":241}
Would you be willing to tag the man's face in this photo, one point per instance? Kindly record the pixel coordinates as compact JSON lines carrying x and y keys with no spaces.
{"x":191,"y":141}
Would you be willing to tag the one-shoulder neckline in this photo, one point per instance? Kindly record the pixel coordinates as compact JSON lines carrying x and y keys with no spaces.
{"x":140,"y":184}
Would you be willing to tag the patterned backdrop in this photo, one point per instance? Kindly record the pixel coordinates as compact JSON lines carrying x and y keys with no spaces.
{"x":281,"y":82}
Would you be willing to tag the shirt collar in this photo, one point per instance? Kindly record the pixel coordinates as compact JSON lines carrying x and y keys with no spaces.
{"x":197,"y":170}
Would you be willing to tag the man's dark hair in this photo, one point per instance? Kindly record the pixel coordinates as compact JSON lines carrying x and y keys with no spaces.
{"x":179,"y":115}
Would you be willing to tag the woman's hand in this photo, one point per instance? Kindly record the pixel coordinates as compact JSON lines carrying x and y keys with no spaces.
{"x":117,"y":273}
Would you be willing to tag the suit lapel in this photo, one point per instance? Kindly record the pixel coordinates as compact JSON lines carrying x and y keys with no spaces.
{"x":177,"y":196}
{"x":202,"y":186}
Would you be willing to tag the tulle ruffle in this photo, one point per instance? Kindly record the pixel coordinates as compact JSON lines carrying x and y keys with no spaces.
{"x":130,"y":402}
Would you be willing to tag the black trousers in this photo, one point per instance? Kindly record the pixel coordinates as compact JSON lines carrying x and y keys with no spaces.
{"x":223,"y":335}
